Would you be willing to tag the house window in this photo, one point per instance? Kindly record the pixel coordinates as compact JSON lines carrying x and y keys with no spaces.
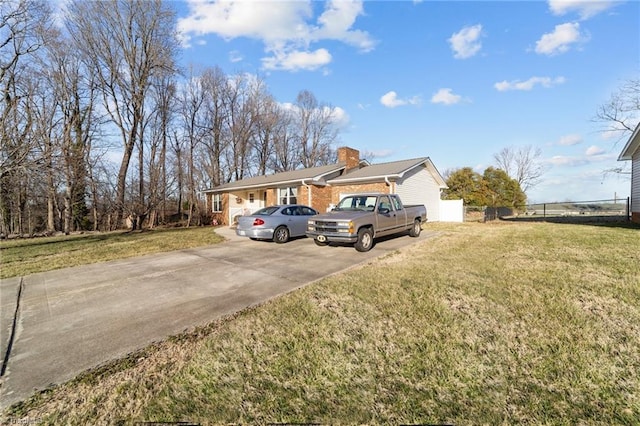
{"x":251,"y":198}
{"x":216,"y":201}
{"x":288,"y":195}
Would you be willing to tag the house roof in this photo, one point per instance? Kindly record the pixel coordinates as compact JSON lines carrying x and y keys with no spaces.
{"x":315,"y":175}
{"x":391,"y":170}
{"x":632,"y":146}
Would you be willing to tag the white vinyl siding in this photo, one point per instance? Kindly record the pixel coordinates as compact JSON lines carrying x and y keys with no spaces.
{"x":419,"y":187}
{"x":635,"y":183}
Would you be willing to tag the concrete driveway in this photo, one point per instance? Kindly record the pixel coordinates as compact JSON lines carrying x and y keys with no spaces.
{"x":74,"y":319}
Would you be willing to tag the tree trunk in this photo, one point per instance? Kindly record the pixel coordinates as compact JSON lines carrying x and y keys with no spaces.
{"x":67,"y":211}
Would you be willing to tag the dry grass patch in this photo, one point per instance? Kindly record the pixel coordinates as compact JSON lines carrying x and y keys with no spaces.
{"x":27,"y":256}
{"x":487,"y":324}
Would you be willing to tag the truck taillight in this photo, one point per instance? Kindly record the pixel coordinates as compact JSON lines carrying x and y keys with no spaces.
{"x":258,"y":222}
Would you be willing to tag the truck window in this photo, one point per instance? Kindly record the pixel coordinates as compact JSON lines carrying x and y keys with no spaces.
{"x":397,"y":203}
{"x":385,"y":203}
{"x":357,"y":202}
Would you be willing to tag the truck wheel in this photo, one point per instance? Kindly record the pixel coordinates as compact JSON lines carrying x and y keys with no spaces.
{"x":320,"y":243}
{"x":415,"y":229}
{"x":281,"y":235}
{"x":365,"y":240}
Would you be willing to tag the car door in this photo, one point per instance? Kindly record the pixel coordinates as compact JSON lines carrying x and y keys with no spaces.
{"x":289,"y":219}
{"x":386,"y":216}
{"x":305,"y":214}
{"x":401,"y":213}
{"x":297,"y":220}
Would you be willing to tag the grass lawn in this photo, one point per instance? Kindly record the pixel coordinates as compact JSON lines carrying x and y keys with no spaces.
{"x":27,"y":256}
{"x":517,"y":323}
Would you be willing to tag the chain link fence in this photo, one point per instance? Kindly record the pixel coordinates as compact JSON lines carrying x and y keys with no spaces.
{"x":566,"y":211}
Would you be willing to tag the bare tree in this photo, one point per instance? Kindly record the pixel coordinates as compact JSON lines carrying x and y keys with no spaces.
{"x":522,"y":164}
{"x":22,"y":26}
{"x":193,"y":129}
{"x":128,"y":42}
{"x":164,"y":101}
{"x":619,"y":116}
{"x":286,"y":153}
{"x":47,"y":133}
{"x":73,"y":89}
{"x":214,"y":86}
{"x":241,"y":119}
{"x":368,"y":156}
{"x":621,"y":113}
{"x":316,"y":130}
{"x":269,"y":118}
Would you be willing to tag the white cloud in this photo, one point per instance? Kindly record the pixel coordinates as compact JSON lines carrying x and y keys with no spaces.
{"x":593,"y":151}
{"x":570,"y":140}
{"x":286,"y":28}
{"x":445,"y":96}
{"x":585,"y":8}
{"x":335,"y":23}
{"x":297,"y":60}
{"x":562,"y":160}
{"x":230,"y":19}
{"x":391,"y":100}
{"x":235,"y":56}
{"x":592,"y":155}
{"x":340,"y":117}
{"x":529,"y":84}
{"x":465,"y":43}
{"x":560,"y":40}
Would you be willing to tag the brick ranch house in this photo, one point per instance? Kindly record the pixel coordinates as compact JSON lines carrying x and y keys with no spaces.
{"x":631,"y":152}
{"x":417,"y":181}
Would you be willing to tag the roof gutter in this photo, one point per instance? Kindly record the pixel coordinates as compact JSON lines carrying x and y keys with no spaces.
{"x":258,"y":186}
{"x":627,"y":151}
{"x":363,"y":179}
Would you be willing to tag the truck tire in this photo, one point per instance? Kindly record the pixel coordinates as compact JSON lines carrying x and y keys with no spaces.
{"x":415,"y":229}
{"x":320,"y":243}
{"x":365,"y":240}
{"x":281,"y":235}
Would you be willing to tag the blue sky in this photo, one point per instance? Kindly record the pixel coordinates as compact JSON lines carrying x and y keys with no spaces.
{"x":456,"y":81}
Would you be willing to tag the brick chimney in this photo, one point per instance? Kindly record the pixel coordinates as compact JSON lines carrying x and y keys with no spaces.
{"x":350,"y":157}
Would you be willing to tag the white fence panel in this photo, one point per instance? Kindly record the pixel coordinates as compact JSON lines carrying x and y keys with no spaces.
{"x":451,"y":211}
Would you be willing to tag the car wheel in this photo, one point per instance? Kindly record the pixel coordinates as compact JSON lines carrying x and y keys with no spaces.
{"x":365,"y":240}
{"x":320,"y":243}
{"x":281,"y":235}
{"x":415,"y":229}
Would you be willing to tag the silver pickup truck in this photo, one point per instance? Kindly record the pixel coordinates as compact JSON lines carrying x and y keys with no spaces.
{"x":358,"y":219}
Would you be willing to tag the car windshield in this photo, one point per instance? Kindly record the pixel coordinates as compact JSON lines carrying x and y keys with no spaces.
{"x":267,"y":211}
{"x":357,"y":202}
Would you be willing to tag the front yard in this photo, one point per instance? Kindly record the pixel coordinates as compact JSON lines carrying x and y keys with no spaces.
{"x":506,"y":323}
